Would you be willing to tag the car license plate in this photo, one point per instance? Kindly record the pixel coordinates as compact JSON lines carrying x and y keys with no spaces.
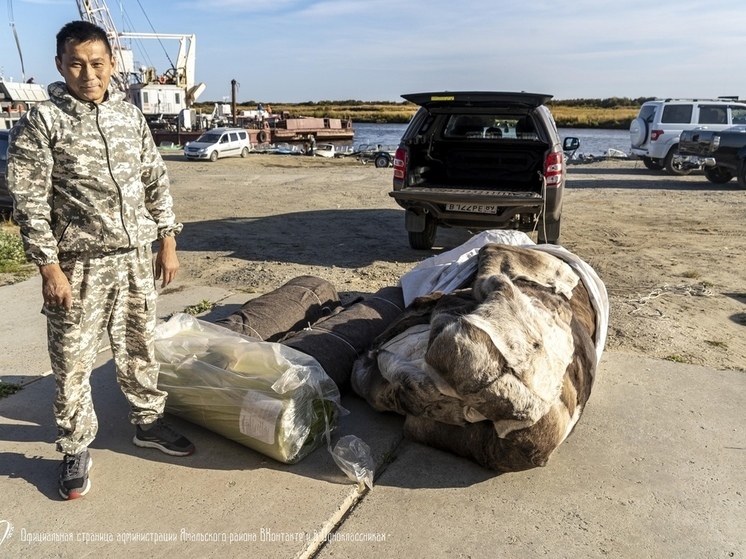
{"x":472,"y":208}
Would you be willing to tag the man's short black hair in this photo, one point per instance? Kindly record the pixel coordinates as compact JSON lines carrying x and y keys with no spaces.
{"x":77,"y":32}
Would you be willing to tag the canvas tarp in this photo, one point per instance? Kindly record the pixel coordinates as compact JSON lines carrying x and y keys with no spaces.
{"x":337,"y":341}
{"x":305,"y":314}
{"x":300,"y":302}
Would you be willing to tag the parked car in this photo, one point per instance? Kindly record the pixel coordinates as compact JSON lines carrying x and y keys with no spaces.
{"x":722,"y":153}
{"x":381,"y":156}
{"x":655,"y":132}
{"x":6,"y":201}
{"x":219,"y":142}
{"x":480,"y":160}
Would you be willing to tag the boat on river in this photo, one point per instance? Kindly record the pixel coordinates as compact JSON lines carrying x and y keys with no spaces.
{"x":264,"y":127}
{"x":262,"y":124}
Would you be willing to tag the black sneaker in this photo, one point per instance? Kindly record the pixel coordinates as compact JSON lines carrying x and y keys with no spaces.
{"x":161,"y":436}
{"x":74,"y":480}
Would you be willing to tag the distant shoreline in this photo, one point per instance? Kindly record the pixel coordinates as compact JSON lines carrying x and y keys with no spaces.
{"x":599,"y":113}
{"x":610,"y":124}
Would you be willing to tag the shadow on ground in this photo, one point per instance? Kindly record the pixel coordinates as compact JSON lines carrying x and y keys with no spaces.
{"x":342,"y":238}
{"x":643,"y":179}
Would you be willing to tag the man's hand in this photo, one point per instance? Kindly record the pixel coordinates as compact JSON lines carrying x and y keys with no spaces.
{"x":55,"y":287}
{"x":166,"y":261}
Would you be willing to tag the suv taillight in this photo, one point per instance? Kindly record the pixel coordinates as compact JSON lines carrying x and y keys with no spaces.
{"x":553,"y":168}
{"x":400,"y":164}
{"x":655,"y":134}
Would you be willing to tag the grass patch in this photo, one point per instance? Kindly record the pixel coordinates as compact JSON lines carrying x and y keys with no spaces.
{"x":203,"y":306}
{"x":12,"y":257}
{"x":716,"y":343}
{"x":6,"y":389}
{"x":593,"y":117}
{"x":13,"y":264}
{"x":675,"y":358}
{"x":692,"y":274}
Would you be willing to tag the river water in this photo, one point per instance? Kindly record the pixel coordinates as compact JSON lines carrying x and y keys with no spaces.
{"x":592,"y":141}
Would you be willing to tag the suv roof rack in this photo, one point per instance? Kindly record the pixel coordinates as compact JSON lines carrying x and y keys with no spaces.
{"x":721,"y":98}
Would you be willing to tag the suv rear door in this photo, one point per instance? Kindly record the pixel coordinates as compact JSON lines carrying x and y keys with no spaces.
{"x":479,"y":160}
{"x":491,"y":99}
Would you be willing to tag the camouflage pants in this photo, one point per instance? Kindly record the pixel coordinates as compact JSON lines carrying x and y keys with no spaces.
{"x":114,"y":293}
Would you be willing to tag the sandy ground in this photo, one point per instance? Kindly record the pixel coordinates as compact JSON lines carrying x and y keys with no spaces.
{"x":671,"y":250}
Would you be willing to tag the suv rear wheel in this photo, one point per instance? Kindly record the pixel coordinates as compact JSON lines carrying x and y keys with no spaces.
{"x":424,"y":240}
{"x":718,"y":175}
{"x":382,"y":161}
{"x":672,"y":166}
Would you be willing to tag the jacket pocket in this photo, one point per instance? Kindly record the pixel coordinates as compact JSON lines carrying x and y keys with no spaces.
{"x":146,"y":225}
{"x":86,"y":234}
{"x":62,"y":319}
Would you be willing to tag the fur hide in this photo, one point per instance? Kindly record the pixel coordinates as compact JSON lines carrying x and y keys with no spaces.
{"x":498,"y":373}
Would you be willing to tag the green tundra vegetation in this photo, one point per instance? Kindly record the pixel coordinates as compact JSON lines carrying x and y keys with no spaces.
{"x":13,"y":265}
{"x":614,"y":112}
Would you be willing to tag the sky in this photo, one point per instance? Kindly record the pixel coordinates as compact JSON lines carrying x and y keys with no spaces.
{"x":376,"y":50}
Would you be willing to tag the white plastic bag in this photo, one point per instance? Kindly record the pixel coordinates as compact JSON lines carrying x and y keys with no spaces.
{"x":266,"y":396}
{"x":354,"y":458}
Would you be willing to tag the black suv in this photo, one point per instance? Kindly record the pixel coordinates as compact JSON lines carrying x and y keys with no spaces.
{"x":481,"y":160}
{"x":5,"y":200}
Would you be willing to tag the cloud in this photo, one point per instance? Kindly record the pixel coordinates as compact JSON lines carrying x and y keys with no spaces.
{"x":377,"y":49}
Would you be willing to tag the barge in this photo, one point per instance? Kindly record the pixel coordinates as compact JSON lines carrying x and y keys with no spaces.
{"x":265,"y":128}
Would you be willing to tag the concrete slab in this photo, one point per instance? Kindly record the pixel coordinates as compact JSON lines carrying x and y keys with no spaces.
{"x":194,"y":506}
{"x":654,"y":469}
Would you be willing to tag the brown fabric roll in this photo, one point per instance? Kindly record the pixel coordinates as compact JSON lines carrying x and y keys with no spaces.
{"x":299,"y":303}
{"x":337,"y":341}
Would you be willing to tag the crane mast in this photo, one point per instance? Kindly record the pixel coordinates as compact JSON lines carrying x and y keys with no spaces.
{"x":164,"y":96}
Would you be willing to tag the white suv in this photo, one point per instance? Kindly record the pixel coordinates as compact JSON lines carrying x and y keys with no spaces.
{"x":655,"y":132}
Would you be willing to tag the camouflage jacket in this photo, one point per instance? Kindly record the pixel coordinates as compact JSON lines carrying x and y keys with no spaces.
{"x":87,"y":178}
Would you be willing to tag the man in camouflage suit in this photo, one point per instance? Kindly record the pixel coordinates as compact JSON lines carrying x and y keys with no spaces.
{"x":91,"y":194}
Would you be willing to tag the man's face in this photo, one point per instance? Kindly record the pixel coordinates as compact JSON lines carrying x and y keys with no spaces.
{"x":87,"y":69}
